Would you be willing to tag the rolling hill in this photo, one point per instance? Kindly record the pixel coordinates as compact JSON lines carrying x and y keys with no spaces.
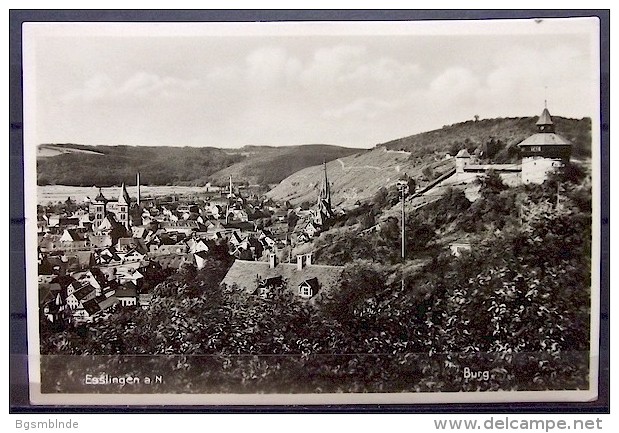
{"x":270,"y":165}
{"x":111,"y":165}
{"x":508,"y":131}
{"x":423,"y":157}
{"x":81,"y":165}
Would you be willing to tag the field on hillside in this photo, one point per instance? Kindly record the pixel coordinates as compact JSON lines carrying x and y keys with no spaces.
{"x":356,"y":178}
{"x":270,"y":165}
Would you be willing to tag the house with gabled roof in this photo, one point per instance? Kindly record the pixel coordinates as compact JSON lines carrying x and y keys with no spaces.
{"x":71,"y":235}
{"x":140,"y":232}
{"x":92,"y":276}
{"x":42,"y":224}
{"x":55,"y":309}
{"x":199,"y":245}
{"x":127,"y":295}
{"x":303,"y":278}
{"x":45,"y":294}
{"x":124,"y":244}
{"x":83,"y":294}
{"x":200,"y":258}
{"x":133,"y":256}
{"x":107,"y":256}
{"x":236,"y":238}
{"x":50,"y":242}
{"x":128,"y":275}
{"x":308,"y":288}
{"x":99,"y":241}
{"x":267,"y":241}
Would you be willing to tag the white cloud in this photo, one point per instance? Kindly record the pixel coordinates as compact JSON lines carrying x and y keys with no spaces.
{"x":362,"y":108}
{"x":386,"y":71}
{"x":271,"y":67}
{"x":329,"y":66}
{"x":140,"y":85}
{"x":454,"y":82}
{"x":352,"y":66}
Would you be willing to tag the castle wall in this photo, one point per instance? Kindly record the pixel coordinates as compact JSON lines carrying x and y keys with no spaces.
{"x":536,"y":169}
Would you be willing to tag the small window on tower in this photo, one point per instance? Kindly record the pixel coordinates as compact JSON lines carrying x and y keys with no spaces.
{"x":536,"y":148}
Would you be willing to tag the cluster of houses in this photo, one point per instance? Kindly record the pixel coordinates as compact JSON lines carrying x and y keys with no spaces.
{"x":98,"y":258}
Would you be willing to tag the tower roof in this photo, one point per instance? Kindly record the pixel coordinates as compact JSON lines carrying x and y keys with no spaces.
{"x":463,"y":154}
{"x":544,"y":118}
{"x":547,"y":139}
{"x":545,"y":135}
{"x":100,"y":197}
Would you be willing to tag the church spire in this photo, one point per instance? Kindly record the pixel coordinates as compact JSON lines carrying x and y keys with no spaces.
{"x":324,"y":210}
{"x":123,"y":197}
{"x":325,"y":191}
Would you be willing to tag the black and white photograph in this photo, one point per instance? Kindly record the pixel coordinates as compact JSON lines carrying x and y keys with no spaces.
{"x":397,"y":212}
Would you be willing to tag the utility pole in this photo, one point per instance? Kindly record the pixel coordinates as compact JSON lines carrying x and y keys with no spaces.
{"x":403,"y":227}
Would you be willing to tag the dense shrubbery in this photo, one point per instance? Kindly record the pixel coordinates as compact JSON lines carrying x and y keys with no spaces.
{"x":516,"y":305}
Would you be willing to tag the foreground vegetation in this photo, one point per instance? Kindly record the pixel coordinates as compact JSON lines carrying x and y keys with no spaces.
{"x":517,"y":305}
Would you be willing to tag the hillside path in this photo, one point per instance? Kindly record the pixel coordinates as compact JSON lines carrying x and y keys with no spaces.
{"x":362,"y":167}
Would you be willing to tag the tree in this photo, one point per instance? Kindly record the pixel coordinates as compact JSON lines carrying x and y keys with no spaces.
{"x":492,"y":183}
{"x":428,"y":172}
{"x":360,"y":282}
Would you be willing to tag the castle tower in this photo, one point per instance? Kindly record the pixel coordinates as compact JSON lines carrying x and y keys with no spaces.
{"x":544,"y":151}
{"x":463,"y":158}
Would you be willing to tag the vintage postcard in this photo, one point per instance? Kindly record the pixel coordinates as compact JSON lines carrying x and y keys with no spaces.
{"x":312,"y":212}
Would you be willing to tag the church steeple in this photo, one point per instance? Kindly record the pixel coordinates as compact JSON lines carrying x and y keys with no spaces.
{"x":325,"y":191}
{"x":123,"y":197}
{"x":324,"y":210}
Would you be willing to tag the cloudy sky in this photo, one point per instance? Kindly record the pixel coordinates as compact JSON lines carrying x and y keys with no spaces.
{"x":353,"y":85}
